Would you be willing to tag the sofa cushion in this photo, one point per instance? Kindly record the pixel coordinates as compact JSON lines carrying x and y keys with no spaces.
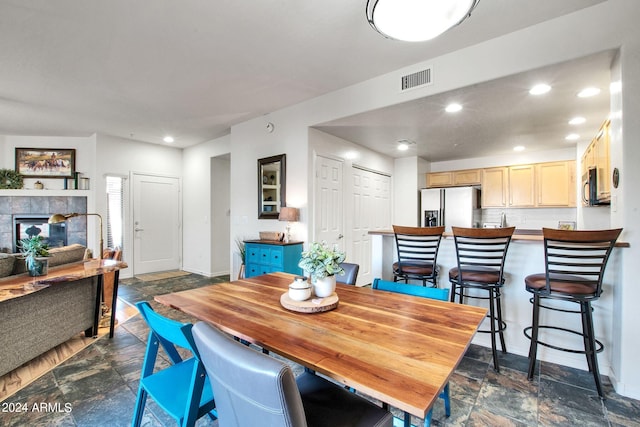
{"x":57,"y":256}
{"x":66,"y":254}
{"x":6,"y":265}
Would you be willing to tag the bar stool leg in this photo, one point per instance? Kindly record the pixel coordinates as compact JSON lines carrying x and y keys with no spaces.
{"x":533,"y":347}
{"x":492,"y":318}
{"x":500,"y":323}
{"x":592,"y":358}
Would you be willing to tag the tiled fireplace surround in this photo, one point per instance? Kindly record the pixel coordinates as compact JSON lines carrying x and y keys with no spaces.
{"x":47,"y":206}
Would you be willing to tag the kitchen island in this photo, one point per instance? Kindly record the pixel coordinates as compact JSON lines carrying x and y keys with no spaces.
{"x":524,"y":257}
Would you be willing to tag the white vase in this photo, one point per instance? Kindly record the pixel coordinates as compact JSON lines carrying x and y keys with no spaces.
{"x":324,"y":287}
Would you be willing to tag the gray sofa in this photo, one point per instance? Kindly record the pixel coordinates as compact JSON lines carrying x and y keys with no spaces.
{"x":32,"y":324}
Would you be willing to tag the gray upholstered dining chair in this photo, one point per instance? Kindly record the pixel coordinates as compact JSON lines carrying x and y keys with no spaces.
{"x":253,"y":389}
{"x":350,"y":273}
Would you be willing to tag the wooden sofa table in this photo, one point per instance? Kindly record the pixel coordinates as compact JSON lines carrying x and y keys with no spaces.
{"x":38,"y":313}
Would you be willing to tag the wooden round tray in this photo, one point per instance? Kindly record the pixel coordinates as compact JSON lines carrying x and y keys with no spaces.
{"x":312,"y":305}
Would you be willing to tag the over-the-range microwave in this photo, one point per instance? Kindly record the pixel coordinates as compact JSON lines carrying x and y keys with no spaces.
{"x":590,"y":189}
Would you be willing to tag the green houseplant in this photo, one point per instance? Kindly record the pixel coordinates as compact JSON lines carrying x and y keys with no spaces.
{"x":35,"y":252}
{"x":322,"y":263}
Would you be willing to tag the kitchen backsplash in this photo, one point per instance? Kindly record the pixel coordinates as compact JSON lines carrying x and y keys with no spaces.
{"x":529,"y":218}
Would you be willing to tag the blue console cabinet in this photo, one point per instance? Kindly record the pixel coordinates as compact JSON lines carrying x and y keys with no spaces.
{"x":264,"y":256}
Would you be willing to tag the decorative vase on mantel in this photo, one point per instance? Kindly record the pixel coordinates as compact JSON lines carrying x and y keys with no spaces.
{"x":325,"y":286}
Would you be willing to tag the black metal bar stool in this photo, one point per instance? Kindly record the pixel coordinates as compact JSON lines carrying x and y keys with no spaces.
{"x":417,"y":254}
{"x":481,"y":253}
{"x":574,"y":267}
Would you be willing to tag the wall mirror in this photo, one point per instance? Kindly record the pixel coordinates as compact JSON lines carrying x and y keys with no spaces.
{"x":271,"y":186}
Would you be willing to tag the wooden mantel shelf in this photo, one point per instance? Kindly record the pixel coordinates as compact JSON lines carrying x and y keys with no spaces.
{"x":43,"y":193}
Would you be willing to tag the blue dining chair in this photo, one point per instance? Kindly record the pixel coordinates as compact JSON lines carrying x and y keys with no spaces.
{"x":420,"y":291}
{"x":183,"y":389}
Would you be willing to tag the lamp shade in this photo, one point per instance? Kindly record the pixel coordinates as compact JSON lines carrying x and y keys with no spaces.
{"x":289,"y":214}
{"x":417,"y":20}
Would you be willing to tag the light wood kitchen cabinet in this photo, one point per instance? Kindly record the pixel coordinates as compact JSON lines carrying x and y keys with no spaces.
{"x":467,"y":177}
{"x":494,"y":187}
{"x":522,"y":186}
{"x":439,"y":179}
{"x":603,"y":161}
{"x":556,"y":184}
{"x":454,"y":178}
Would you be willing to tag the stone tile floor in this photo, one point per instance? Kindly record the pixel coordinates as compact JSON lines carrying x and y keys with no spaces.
{"x":97,"y":387}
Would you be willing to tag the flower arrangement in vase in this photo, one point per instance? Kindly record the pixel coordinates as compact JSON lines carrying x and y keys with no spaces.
{"x":35,"y":252}
{"x":322,"y":263}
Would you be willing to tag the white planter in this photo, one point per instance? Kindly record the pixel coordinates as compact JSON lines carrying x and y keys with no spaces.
{"x":324,"y":287}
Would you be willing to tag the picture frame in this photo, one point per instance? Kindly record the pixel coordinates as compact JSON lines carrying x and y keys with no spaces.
{"x":272,"y":183}
{"x":566,"y":225}
{"x":46,"y":162}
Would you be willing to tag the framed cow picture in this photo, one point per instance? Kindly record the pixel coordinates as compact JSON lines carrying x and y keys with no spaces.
{"x":46,"y":162}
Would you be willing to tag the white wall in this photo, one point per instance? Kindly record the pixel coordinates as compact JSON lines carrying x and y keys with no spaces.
{"x":406,"y":185}
{"x":199,"y":242}
{"x":118,"y":156}
{"x":85,"y":155}
{"x":220,"y":215}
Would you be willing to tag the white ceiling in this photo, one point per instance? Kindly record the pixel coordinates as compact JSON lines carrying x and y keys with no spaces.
{"x":193,"y":68}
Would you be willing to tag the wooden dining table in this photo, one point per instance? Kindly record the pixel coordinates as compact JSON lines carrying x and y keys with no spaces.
{"x":396,"y":348}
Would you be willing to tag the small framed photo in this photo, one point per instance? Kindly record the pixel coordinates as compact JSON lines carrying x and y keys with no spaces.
{"x":45,"y":162}
{"x":566,"y":225}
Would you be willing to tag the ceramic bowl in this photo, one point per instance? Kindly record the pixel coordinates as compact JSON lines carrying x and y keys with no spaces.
{"x":300,"y":290}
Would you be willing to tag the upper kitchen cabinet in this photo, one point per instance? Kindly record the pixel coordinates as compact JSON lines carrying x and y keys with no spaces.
{"x":439,"y":179}
{"x":494,"y":187}
{"x":529,"y":186}
{"x":522,"y":186}
{"x":603,"y":161}
{"x":556,"y":184}
{"x":597,"y":157}
{"x":454,"y":178}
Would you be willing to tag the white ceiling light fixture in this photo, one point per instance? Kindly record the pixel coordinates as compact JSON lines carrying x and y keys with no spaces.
{"x":168,"y":139}
{"x":453,"y":108}
{"x":417,"y":20}
{"x":577,"y":120}
{"x":404,"y":144}
{"x":572,"y":137}
{"x":588,"y":92}
{"x":518,"y":148}
{"x":540,"y":89}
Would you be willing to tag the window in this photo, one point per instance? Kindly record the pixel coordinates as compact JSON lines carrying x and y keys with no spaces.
{"x":115,"y":211}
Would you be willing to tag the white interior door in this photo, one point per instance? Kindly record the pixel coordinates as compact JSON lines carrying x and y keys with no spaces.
{"x":371,"y":211}
{"x":328,"y":202}
{"x":156,"y":223}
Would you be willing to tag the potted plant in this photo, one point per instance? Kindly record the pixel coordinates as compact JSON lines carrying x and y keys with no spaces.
{"x":322,"y":263}
{"x":35,"y":252}
{"x":242,"y":251}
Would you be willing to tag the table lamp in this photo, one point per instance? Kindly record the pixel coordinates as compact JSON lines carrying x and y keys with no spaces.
{"x":290,"y":215}
{"x":58,"y":218}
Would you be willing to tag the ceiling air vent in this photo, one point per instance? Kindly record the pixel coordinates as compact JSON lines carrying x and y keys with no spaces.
{"x":417,"y":79}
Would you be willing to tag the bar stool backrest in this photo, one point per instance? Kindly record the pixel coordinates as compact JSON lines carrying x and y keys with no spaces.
{"x":417,"y":246}
{"x":578,"y":258}
{"x":481,"y":250}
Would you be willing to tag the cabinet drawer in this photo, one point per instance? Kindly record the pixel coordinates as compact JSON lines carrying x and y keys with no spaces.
{"x":275,"y":257}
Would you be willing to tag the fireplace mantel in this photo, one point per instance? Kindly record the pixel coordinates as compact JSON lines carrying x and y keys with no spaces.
{"x":44,"y":193}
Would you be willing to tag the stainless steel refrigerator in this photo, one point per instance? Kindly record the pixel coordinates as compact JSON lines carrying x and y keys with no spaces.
{"x":457,"y":206}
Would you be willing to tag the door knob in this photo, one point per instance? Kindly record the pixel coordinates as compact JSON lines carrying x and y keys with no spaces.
{"x":340,"y":236}
{"x":138,"y":229}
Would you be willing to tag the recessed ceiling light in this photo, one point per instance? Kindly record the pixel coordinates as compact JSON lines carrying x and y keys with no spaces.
{"x":404,"y":144}
{"x":518,"y":148}
{"x":453,"y":108}
{"x":168,"y":139}
{"x":572,"y":137}
{"x":588,"y":91}
{"x":540,"y":89}
{"x":577,"y":120}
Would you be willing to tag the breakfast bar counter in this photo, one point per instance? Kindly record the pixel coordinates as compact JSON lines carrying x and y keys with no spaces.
{"x":524,"y":257}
